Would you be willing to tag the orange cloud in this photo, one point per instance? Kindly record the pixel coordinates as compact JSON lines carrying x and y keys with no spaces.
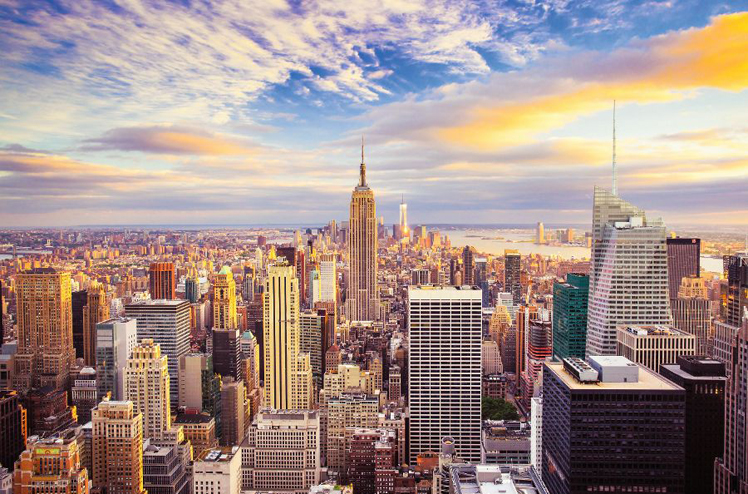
{"x":665,"y":67}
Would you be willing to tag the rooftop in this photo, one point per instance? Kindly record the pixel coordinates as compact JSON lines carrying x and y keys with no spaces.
{"x":217,"y":455}
{"x":658,"y":330}
{"x":648,"y":380}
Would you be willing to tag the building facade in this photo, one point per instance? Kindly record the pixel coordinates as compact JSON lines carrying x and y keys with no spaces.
{"x":147,"y":387}
{"x":444,"y":369}
{"x":570,"y":316}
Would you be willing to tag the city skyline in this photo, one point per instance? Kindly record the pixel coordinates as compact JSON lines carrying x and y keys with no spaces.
{"x":201,"y":114}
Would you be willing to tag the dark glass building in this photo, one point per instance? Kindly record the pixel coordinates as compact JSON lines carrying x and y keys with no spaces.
{"x":704,"y":380}
{"x":512,"y":274}
{"x":736,"y":271}
{"x":570,"y":316}
{"x":79,"y":301}
{"x":226,"y":352}
{"x":161,"y":281}
{"x":610,"y":425}
{"x":12,"y":428}
{"x":683,"y":260}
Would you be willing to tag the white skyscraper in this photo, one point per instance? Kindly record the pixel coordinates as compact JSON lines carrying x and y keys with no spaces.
{"x":445,"y":369}
{"x":115,"y":341}
{"x":628,"y":279}
{"x":329,"y":277}
{"x":166,"y":322}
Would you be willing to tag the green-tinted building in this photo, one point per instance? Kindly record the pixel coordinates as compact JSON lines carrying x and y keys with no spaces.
{"x":570,"y":316}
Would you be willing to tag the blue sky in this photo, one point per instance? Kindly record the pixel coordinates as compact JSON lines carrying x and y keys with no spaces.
{"x":124,"y":112}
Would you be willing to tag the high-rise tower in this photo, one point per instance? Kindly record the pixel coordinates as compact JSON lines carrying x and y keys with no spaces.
{"x":147,"y":386}
{"x":628,"y":277}
{"x":162,"y":283}
{"x":363,"y":297}
{"x":96,"y":310}
{"x":288,"y":374}
{"x":45,"y":330}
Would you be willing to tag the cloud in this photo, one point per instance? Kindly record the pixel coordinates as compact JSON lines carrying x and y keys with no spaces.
{"x":516,"y":107}
{"x":168,"y":139}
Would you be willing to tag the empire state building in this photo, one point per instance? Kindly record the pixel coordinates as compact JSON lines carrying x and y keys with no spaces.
{"x":363,"y":296}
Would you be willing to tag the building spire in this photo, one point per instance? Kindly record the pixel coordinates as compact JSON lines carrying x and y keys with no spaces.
{"x":614,"y":190}
{"x":362,"y":172}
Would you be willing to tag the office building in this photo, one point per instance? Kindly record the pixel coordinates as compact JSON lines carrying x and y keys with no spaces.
{"x":468,"y":266}
{"x":224,"y":300}
{"x":540,"y":233}
{"x":491,"y":358}
{"x":371,"y":461}
{"x":96,"y":310}
{"x":162,"y":283}
{"x":199,"y":386}
{"x":115,"y":341}
{"x":539,"y":348}
{"x":282,"y":453}
{"x":328,"y":277}
{"x":692,"y":313}
{"x":472,"y":479}
{"x":167,"y":465}
{"x":85,"y":394}
{"x":192,"y":286}
{"x":51,"y":465}
{"x":12,"y":427}
{"x":704,"y":380}
{"x":45,"y":330}
{"x":570,"y":316}
{"x":363,"y":294}
{"x":683,"y":261}
{"x":444,"y":369}
{"x":218,"y":471}
{"x":629,"y":278}
{"x":167,"y":323}
{"x":505,"y":442}
{"x":227,"y":352}
{"x":317,"y":335}
{"x":653,"y":346}
{"x":731,"y":469}
{"x":736,"y":299}
{"x":288,"y":373}
{"x":348,"y":410}
{"x":147,"y":386}
{"x":512,"y":274}
{"x":235,"y":412}
{"x":610,"y":425}
{"x":199,"y":429}
{"x":117,"y":448}
{"x":48,"y":411}
{"x":79,"y":299}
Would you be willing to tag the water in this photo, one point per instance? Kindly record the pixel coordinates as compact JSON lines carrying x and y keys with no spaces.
{"x":485,"y":240}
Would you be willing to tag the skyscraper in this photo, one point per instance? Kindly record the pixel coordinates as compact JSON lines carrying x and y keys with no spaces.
{"x":79,"y":301}
{"x":540,"y":233}
{"x":114,"y":344}
{"x":363,"y":295}
{"x":12,"y":427}
{"x":512,"y":280}
{"x":704,"y":380}
{"x":570,"y":316}
{"x":444,"y":369}
{"x":224,"y":300}
{"x":628,"y":278}
{"x":692,"y":313}
{"x":117,"y":448}
{"x":328,"y":278}
{"x":731,"y":470}
{"x":226,"y":352}
{"x":736,"y":269}
{"x":611,"y":426}
{"x":147,"y":386}
{"x":282,"y":452}
{"x":234,"y":412}
{"x":96,"y":309}
{"x":161,"y":281}
{"x":468,"y":266}
{"x":192,"y":286}
{"x":45,"y":330}
{"x":288,"y":374}
{"x":653,"y":346}
{"x":167,"y":323}
{"x":683,"y":260}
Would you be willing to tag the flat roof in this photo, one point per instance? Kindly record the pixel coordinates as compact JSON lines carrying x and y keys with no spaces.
{"x":648,"y":380}
{"x":444,"y":292}
{"x":656,"y":330}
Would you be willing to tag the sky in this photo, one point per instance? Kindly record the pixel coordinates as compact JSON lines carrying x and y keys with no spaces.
{"x":246,"y":112}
